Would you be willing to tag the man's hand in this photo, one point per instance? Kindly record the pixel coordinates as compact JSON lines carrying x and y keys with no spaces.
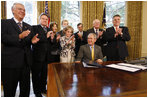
{"x":49,"y":34}
{"x":115,"y":35}
{"x":77,"y":61}
{"x":120,"y":31}
{"x":80,"y":36}
{"x":58,"y":37}
{"x":100,"y":33}
{"x":24,"y":34}
{"x":99,"y":61}
{"x":35,"y":39}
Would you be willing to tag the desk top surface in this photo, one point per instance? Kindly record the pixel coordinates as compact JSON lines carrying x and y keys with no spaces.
{"x":76,"y":80}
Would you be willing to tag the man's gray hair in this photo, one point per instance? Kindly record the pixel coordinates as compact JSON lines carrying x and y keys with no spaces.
{"x":95,"y":20}
{"x":14,"y":5}
{"x":92,"y":34}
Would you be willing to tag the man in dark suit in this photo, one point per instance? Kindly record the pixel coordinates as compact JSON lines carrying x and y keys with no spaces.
{"x":90,"y":51}
{"x":116,"y":37}
{"x":40,"y":56}
{"x":80,"y":37}
{"x":16,"y":53}
{"x":99,"y":33}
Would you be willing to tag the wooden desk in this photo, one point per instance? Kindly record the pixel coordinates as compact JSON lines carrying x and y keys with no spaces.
{"x":76,"y":81}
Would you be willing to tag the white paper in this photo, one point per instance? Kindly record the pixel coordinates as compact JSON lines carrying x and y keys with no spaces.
{"x":130,"y":69}
{"x":132,"y":65}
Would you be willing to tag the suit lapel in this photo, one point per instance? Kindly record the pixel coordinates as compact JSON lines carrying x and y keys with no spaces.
{"x":89,"y":51}
{"x":95,"y":51}
{"x":41,"y":29}
{"x":93,"y":31}
{"x":113,"y":30}
{"x":15,"y":26}
{"x":25,"y":27}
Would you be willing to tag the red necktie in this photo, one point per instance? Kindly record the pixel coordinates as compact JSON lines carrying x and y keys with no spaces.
{"x":116,"y":29}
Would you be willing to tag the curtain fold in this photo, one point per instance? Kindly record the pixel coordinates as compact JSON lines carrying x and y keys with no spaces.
{"x":55,"y":12}
{"x":134,"y":23}
{"x":40,"y":9}
{"x":3,"y":10}
{"x":54,"y":8}
{"x":91,"y":10}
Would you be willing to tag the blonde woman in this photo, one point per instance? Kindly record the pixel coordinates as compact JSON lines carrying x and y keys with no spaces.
{"x":67,"y":43}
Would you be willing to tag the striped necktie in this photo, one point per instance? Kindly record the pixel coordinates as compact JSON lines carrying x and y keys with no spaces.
{"x":45,"y":29}
{"x":20,"y":26}
{"x":92,"y":53}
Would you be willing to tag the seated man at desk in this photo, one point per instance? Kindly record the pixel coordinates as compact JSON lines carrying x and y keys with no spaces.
{"x":90,"y":51}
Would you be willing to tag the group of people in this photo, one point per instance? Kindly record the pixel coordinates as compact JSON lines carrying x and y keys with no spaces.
{"x":26,"y":48}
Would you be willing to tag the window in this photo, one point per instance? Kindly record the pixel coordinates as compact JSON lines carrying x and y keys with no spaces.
{"x":112,"y":8}
{"x":71,"y":12}
{"x":31,"y":11}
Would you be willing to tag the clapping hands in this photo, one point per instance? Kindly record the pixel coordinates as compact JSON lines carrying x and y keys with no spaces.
{"x":100,"y":33}
{"x":35,"y":39}
{"x":118,"y":32}
{"x":24,"y":34}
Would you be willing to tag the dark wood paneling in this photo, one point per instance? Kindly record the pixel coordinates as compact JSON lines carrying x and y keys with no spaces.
{"x":73,"y":80}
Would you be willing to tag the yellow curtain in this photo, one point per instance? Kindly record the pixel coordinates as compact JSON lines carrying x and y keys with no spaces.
{"x":3,"y":10}
{"x":55,"y":12}
{"x":91,"y":10}
{"x":40,"y":8}
{"x":54,"y":8}
{"x":134,"y":23}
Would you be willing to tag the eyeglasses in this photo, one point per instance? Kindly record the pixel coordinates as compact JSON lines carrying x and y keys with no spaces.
{"x":20,"y":9}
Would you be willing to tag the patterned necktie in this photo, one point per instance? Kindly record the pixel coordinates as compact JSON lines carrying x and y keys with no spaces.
{"x":20,"y":26}
{"x":92,"y":53}
{"x":45,"y":29}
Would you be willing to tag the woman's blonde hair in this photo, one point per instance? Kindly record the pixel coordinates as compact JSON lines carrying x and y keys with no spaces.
{"x":67,"y":28}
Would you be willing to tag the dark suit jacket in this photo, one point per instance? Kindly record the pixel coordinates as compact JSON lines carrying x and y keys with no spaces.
{"x":40,"y":49}
{"x":54,"y":47}
{"x":100,"y":41}
{"x":61,"y":33}
{"x":80,"y":42}
{"x":85,"y":53}
{"x":117,"y":44}
{"x":14,"y":51}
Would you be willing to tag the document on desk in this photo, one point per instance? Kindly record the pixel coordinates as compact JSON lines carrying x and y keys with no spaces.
{"x":86,"y":65}
{"x":126,"y":68}
{"x":132,"y":65}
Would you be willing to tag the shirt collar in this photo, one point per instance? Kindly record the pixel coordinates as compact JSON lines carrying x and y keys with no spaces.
{"x":17,"y":20}
{"x":43,"y":26}
{"x":81,"y":32}
{"x":91,"y":46}
{"x":115,"y":27}
{"x":96,"y":29}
